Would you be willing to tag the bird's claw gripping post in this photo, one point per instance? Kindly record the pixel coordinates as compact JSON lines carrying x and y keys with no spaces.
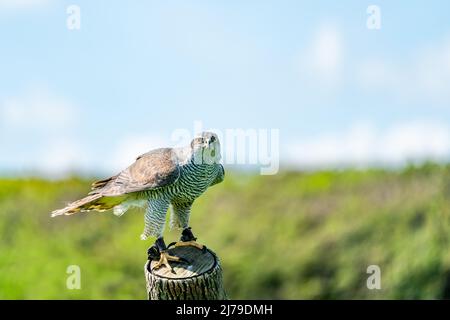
{"x":188,"y":240}
{"x":153,"y":253}
{"x":159,"y":252}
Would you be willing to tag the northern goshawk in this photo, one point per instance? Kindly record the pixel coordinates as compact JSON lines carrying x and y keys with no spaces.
{"x":156,"y":180}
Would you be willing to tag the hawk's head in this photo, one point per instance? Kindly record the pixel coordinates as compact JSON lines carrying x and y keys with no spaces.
{"x":206,"y":148}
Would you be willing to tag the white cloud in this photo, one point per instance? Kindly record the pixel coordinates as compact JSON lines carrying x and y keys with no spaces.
{"x":326,"y":50}
{"x":363,"y":145}
{"x":424,"y":76}
{"x":416,"y":141}
{"x":323,"y":58}
{"x":60,"y":157}
{"x":36,"y":129}
{"x":53,"y":157}
{"x":37,"y":109}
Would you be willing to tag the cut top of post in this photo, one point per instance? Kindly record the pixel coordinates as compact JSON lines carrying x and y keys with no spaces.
{"x":199,"y":263}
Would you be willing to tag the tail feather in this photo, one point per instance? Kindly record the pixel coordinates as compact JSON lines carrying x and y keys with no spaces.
{"x":87,"y":203}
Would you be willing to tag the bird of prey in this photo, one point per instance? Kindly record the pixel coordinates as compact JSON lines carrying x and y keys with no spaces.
{"x":156,"y":180}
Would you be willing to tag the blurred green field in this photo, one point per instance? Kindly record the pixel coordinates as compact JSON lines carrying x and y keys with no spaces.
{"x":289,"y":236}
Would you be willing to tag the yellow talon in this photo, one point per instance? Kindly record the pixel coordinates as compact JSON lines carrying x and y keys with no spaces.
{"x":164,"y":261}
{"x":191,"y":243}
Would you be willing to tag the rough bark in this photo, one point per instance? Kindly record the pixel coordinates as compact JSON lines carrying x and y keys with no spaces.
{"x":200,"y":279}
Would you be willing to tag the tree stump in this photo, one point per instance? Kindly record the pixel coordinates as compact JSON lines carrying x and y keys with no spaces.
{"x":200,"y":279}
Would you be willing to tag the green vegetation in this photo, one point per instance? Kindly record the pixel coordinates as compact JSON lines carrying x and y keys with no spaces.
{"x":289,"y":236}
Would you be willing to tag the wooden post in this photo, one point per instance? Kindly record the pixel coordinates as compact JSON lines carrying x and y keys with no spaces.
{"x":201,"y":279}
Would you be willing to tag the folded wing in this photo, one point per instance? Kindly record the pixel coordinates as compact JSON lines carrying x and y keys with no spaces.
{"x":153,"y":170}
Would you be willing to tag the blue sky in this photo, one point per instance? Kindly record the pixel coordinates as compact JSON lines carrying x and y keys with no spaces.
{"x":90,"y":100}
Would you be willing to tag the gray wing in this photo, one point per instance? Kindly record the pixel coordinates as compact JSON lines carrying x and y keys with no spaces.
{"x":155,"y":169}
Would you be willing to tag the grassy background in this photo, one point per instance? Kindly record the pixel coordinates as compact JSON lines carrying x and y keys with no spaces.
{"x":289,"y":236}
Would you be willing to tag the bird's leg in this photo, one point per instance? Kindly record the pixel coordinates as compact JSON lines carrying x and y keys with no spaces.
{"x":164,"y":256}
{"x":188,"y":240}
